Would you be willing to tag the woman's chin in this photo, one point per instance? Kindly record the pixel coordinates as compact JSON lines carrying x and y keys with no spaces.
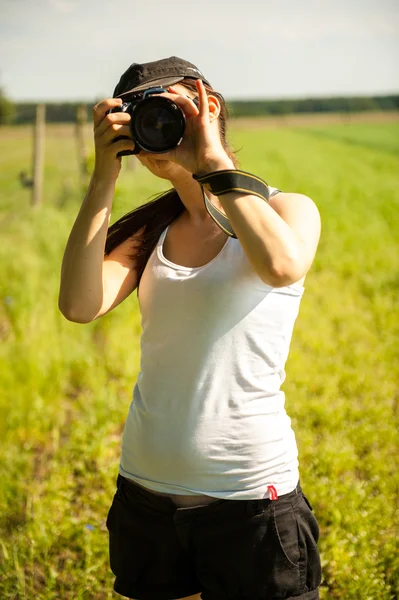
{"x":161,"y":167}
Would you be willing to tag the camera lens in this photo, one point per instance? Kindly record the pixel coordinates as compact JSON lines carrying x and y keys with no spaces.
{"x":158,"y":124}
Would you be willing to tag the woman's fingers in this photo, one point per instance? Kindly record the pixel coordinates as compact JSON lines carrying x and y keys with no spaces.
{"x":109,"y":127}
{"x":203,"y":101}
{"x":111,"y":137}
{"x":113,"y":132}
{"x":101,"y":109}
{"x":109,"y":120}
{"x":117,"y":131}
{"x":124,"y":144}
{"x":184,"y":102}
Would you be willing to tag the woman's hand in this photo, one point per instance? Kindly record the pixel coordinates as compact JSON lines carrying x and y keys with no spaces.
{"x":107,"y":127}
{"x":201,"y":150}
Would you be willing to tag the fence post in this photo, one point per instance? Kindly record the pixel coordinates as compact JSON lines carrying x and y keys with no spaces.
{"x":38,"y":155}
{"x":81,"y":124}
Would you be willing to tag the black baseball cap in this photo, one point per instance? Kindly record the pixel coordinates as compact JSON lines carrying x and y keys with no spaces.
{"x":164,"y":72}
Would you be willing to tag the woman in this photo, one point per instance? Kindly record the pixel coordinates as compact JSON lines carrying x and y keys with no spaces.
{"x":208,"y":502}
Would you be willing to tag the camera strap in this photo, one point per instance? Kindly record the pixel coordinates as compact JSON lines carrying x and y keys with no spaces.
{"x":223,"y":182}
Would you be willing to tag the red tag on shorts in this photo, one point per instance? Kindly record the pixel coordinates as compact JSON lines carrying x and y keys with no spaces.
{"x":272,"y":492}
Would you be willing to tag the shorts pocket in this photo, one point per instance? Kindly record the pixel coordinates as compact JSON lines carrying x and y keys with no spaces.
{"x":308,"y":528}
{"x":286,"y":531}
{"x":280,"y":552}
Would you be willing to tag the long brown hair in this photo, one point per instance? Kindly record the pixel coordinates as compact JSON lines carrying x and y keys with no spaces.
{"x":156,"y":214}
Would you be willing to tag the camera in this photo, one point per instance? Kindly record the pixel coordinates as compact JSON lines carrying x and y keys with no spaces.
{"x":157,"y":123}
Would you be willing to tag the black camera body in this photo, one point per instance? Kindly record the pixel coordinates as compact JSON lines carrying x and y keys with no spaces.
{"x":157,"y":123}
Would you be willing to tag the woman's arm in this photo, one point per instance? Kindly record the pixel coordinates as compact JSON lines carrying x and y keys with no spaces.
{"x":89,"y":284}
{"x":280,"y":238}
{"x":81,"y":287}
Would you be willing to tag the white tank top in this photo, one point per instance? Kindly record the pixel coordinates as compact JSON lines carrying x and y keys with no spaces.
{"x":208,"y":415}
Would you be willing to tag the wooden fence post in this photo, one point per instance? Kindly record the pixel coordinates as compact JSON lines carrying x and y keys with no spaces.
{"x":38,"y":155}
{"x":81,"y":124}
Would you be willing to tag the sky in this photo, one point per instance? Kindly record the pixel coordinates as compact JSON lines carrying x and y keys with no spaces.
{"x":77,"y":49}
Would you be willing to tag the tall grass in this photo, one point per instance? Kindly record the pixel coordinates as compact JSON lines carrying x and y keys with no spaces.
{"x":65,"y":388}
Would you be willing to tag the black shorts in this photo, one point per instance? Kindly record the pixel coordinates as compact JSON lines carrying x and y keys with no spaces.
{"x":227,"y":550}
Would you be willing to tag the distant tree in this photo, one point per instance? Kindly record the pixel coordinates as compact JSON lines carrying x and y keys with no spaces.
{"x":283,"y":107}
{"x":359,"y":104}
{"x":7,"y":109}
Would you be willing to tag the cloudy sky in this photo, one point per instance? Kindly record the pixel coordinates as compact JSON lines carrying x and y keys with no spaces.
{"x":77,"y":49}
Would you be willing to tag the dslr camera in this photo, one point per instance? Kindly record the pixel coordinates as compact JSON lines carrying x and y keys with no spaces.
{"x":157,"y":123}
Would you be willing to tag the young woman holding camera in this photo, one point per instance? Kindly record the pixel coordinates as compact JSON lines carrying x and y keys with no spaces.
{"x":208,"y":502}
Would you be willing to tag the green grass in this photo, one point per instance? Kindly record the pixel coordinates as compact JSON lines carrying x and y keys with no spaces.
{"x":380,"y":136}
{"x":66,"y":388}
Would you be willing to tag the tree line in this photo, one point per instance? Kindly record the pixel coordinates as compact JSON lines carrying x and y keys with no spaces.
{"x":247,"y":108}
{"x":17,"y":113}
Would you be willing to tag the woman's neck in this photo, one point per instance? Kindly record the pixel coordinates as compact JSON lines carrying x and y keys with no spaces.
{"x":190,"y":193}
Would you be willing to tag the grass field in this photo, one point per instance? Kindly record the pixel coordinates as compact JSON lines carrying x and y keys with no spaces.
{"x":65,"y":388}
